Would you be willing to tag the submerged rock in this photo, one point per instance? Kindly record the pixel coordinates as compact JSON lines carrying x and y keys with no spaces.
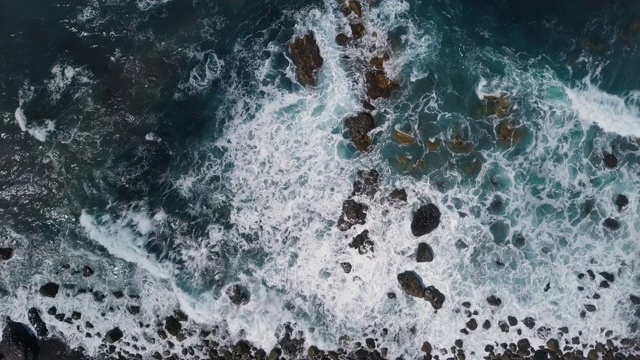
{"x":6,"y":253}
{"x":610,"y":160}
{"x":424,"y":253}
{"x":353,"y":213}
{"x":342,"y":39}
{"x":49,"y":290}
{"x":398,"y":196}
{"x":87,"y":271}
{"x":238,"y":294}
{"x":362,"y":243}
{"x":425,"y":220}
{"x":621,"y":202}
{"x":359,"y":127}
{"x":411,"y":283}
{"x":305,"y":54}
{"x":113,"y":335}
{"x":379,"y":85}
{"x":366,"y":183}
{"x":19,"y":342}
{"x":611,"y":224}
{"x":37,"y":323}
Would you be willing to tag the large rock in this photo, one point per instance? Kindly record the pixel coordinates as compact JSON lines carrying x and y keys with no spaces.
{"x":49,"y":290}
{"x":424,"y":253}
{"x":37,"y":323}
{"x":359,"y":127}
{"x":172,"y":325}
{"x":238,"y":294}
{"x":362,"y":243}
{"x":434,"y":296}
{"x":366,"y":183}
{"x":305,"y":54}
{"x":113,"y":335}
{"x":378,"y":84}
{"x":18,"y":342}
{"x":291,"y":342}
{"x":353,"y":213}
{"x":6,"y":253}
{"x":425,"y":220}
{"x":411,"y":283}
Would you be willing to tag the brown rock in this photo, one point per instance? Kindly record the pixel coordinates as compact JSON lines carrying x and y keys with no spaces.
{"x":359,"y":127}
{"x":305,"y":54}
{"x":355,"y":7}
{"x":342,"y":39}
{"x":357,"y":30}
{"x":379,"y":85}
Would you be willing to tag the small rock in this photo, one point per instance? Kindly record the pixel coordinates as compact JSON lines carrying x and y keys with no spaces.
{"x":425,"y":220}
{"x":305,"y":54}
{"x":486,"y":325}
{"x":607,"y":276}
{"x":37,"y":323}
{"x":355,"y":7}
{"x":59,"y":316}
{"x":398,"y":197}
{"x":52,"y":311}
{"x":379,"y":85}
{"x":434,"y":296}
{"x":359,"y":127}
{"x":424,"y":253}
{"x":371,"y":344}
{"x":512,"y":321}
{"x":118,"y":294}
{"x":342,"y":39}
{"x":133,"y":309}
{"x":529,"y":322}
{"x":494,"y":300}
{"x":523,"y":344}
{"x":113,"y":335}
{"x":426,"y":347}
{"x":610,"y":160}
{"x":87,"y":271}
{"x":49,"y":290}
{"x":172,"y":325}
{"x":391,"y":295}
{"x":621,"y":202}
{"x":553,"y":345}
{"x":564,"y":330}
{"x":275,"y":354}
{"x":604,"y":284}
{"x":575,"y":340}
{"x":411,"y":283}
{"x":634,"y":299}
{"x":346,"y":267}
{"x":590,"y":308}
{"x":362,"y":243}
{"x":503,"y":326}
{"x":99,"y":296}
{"x":6,"y":253}
{"x":611,"y":224}
{"x":180,"y":315}
{"x":591,"y":274}
{"x":466,"y":304}
{"x":357,"y":30}
{"x":472,"y":324}
{"x":76,"y":315}
{"x":353,"y":213}
{"x":238,"y":294}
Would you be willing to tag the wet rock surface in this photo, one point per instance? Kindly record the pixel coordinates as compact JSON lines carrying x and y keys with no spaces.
{"x":305,"y":54}
{"x":411,"y":283}
{"x":379,"y":85}
{"x":425,"y":220}
{"x":424,"y":253}
{"x":353,"y":213}
{"x":362,"y":243}
{"x":49,"y":290}
{"x":6,"y":253}
{"x":359,"y":127}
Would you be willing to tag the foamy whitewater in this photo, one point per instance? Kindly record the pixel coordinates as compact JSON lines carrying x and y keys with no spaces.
{"x":251,"y":193}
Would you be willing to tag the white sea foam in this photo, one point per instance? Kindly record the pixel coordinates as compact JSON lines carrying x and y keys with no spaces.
{"x":208,"y":69}
{"x":40,"y":133}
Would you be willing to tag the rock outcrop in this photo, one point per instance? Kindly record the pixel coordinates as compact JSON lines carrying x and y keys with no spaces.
{"x":359,"y":127}
{"x":353,"y":213}
{"x":425,"y":220}
{"x":305,"y":54}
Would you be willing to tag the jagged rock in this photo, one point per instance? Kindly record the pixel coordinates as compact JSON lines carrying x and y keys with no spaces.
{"x":472,"y":324}
{"x":357,"y":30}
{"x":621,"y":202}
{"x":305,"y":54}
{"x":434,"y":296}
{"x":523,"y":344}
{"x":118,"y":294}
{"x":398,"y":196}
{"x":366,"y":183}
{"x":611,"y":224}
{"x":411,"y":283}
{"x":55,"y":349}
{"x":346,"y":267}
{"x":607,"y":276}
{"x":180,"y":315}
{"x":87,"y":271}
{"x":19,"y":342}
{"x":353,"y":213}
{"x":362,"y":243}
{"x":610,"y":160}
{"x":494,"y":300}
{"x":486,"y":325}
{"x":359,"y":127}
{"x":503,"y":326}
{"x":342,"y":39}
{"x":52,"y":311}
{"x":172,"y":325}
{"x":553,"y":345}
{"x":76,"y":315}
{"x":290,"y":343}
{"x":49,"y":290}
{"x":529,"y":322}
{"x":635,"y":300}
{"x":113,"y":335}
{"x":99,"y":296}
{"x":37,"y":323}
{"x":425,"y":220}
{"x":424,"y":253}
{"x":133,"y":309}
{"x":378,"y":84}
{"x":238,"y":294}
{"x":6,"y":253}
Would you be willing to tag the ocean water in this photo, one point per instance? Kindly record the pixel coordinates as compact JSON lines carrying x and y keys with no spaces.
{"x":168,"y":145}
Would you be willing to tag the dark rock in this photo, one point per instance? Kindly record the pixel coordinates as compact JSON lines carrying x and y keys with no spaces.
{"x":172,"y":325}
{"x":355,"y":7}
{"x":575,"y":340}
{"x":378,"y":84}
{"x":87,"y":271}
{"x":590,"y":308}
{"x":529,"y":322}
{"x":19,"y":342}
{"x":512,"y":321}
{"x":242,"y":348}
{"x":52,"y":311}
{"x":359,"y":127}
{"x":604,"y":284}
{"x":357,"y":30}
{"x":49,"y":290}
{"x":434,"y":296}
{"x":610,"y":160}
{"x":634,"y":299}
{"x":88,"y":325}
{"x":180,"y":315}
{"x":60,"y":316}
{"x":486,"y":325}
{"x":621,"y":202}
{"x":398,"y":196}
{"x":292,"y":345}
{"x":260,"y":354}
{"x":426,"y":347}
{"x":342,"y":39}
{"x":494,"y":300}
{"x":411,"y":283}
{"x":76,"y":315}
{"x":611,"y":224}
{"x":314,"y":352}
{"x":368,"y":106}
{"x":37,"y":323}
{"x":305,"y":54}
{"x":466,"y":304}
{"x":113,"y":335}
{"x":346,"y":267}
{"x":547,"y":287}
{"x":424,"y":253}
{"x":6,"y":253}
{"x":275,"y":354}
{"x":553,"y":346}
{"x":607,"y":276}
{"x":472,"y":324}
{"x":503,"y":326}
{"x":391,"y":295}
{"x":118,"y":294}
{"x":238,"y":294}
{"x":371,"y":344}
{"x":56,"y":348}
{"x":540,"y":355}
{"x":425,"y":220}
{"x":591,"y":274}
{"x":362,"y":243}
{"x":488,"y":348}
{"x":99,"y":296}
{"x":523,"y":344}
{"x":353,"y":213}
{"x":162,"y":334}
{"x":366,"y":183}
{"x":133,"y":309}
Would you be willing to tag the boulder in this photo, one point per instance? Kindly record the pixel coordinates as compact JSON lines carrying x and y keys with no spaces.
{"x":172,"y":325}
{"x":19,"y":342}
{"x":342,"y":39}
{"x":346,"y":267}
{"x":37,"y":323}
{"x":424,"y":253}
{"x":362,"y":243}
{"x":291,"y":343}
{"x":411,"y":283}
{"x":611,"y":224}
{"x":305,"y":54}
{"x":425,"y":220}
{"x":6,"y":253}
{"x":610,"y":161}
{"x":355,"y":7}
{"x":49,"y":290}
{"x":366,"y":183}
{"x":238,"y":294}
{"x":353,"y":213}
{"x":434,"y":296}
{"x":113,"y":335}
{"x":357,"y":30}
{"x":529,"y":322}
{"x":378,"y":84}
{"x":359,"y":127}
{"x":621,"y":202}
{"x":472,"y":324}
{"x":87,"y":271}
{"x":398,"y":196}
{"x":494,"y":300}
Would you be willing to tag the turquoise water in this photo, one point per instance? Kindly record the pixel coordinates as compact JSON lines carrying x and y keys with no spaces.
{"x":171,"y":146}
